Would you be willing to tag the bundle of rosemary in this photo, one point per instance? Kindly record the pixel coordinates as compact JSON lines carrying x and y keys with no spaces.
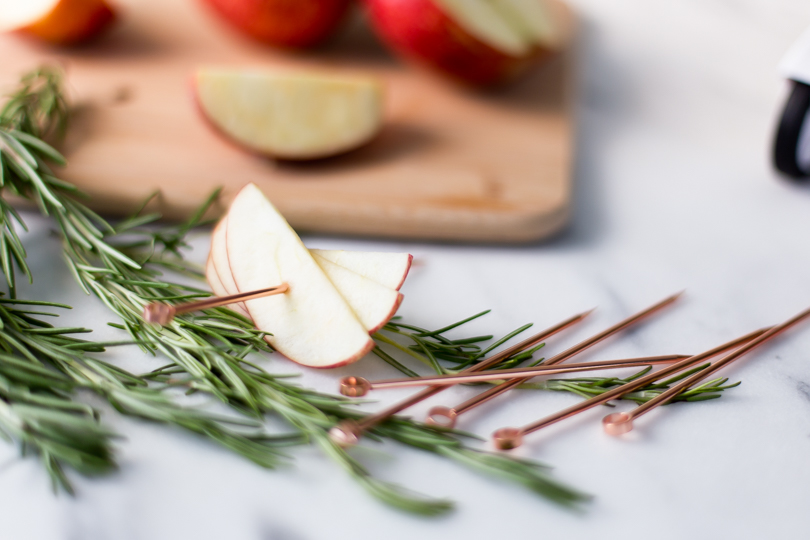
{"x":42,"y":366}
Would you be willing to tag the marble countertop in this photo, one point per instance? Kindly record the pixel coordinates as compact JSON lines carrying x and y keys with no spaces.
{"x":674,"y":191}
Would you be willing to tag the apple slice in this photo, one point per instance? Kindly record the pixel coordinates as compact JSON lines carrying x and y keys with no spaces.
{"x":219,"y":258}
{"x":374,"y":304}
{"x":291,"y":115}
{"x":311,"y":324}
{"x":60,"y":22}
{"x":216,"y":286}
{"x":388,"y":269}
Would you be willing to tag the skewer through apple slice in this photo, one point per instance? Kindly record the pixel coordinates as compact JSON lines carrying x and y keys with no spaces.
{"x":373,"y":303}
{"x":311,"y":324}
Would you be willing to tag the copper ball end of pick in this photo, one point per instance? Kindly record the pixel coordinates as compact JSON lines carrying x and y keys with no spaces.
{"x":507,"y":438}
{"x":345,"y":434}
{"x":354,"y":386}
{"x":158,"y":313}
{"x":441,"y":417}
{"x":617,"y":423}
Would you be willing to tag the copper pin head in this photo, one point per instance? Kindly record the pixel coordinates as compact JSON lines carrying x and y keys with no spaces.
{"x":441,"y":417}
{"x":507,"y":438}
{"x":345,"y":434}
{"x":354,"y":386}
{"x":617,"y":423}
{"x":158,"y":313}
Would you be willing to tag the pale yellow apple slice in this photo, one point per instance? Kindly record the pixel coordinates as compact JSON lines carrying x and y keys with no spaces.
{"x":218,"y":289}
{"x":374,"y":304}
{"x":311,"y":323}
{"x":486,"y":23}
{"x":291,"y":115}
{"x":388,"y":269}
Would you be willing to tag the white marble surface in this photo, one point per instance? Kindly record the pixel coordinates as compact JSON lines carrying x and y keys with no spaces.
{"x":674,"y":191}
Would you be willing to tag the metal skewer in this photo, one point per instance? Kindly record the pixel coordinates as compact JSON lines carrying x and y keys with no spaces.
{"x":508,"y":438}
{"x":348,"y":432}
{"x":446,"y":417}
{"x":162,"y":314}
{"x":358,"y":386}
{"x":618,"y":423}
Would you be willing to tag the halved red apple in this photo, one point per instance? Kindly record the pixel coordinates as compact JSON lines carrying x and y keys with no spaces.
{"x":61,"y":22}
{"x":291,"y":115}
{"x":479,"y":42}
{"x":372,"y":302}
{"x":311,"y":323}
{"x":286,"y":23}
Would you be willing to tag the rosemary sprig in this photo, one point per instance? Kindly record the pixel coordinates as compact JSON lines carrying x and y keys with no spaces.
{"x":207,"y":351}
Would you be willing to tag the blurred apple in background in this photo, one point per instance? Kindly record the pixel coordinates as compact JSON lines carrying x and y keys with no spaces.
{"x":286,"y":23}
{"x":479,"y":42}
{"x":61,"y":22}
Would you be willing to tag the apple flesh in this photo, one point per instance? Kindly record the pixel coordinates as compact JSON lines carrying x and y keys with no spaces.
{"x":292,"y":116}
{"x":285,"y":23}
{"x":218,"y":289}
{"x":221,"y":265}
{"x":372,"y":302}
{"x":478,"y":42}
{"x":60,"y":22}
{"x":387,"y":269}
{"x":311,"y":323}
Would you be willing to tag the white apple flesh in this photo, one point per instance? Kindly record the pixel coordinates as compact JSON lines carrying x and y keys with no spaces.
{"x":374,"y":304}
{"x":291,"y":115}
{"x":218,"y":289}
{"x":311,"y":323}
{"x":388,"y":269}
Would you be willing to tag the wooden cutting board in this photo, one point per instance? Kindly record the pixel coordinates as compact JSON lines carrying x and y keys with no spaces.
{"x":450,"y":164}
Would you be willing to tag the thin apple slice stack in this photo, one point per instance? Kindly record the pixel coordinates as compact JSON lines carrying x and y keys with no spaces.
{"x":479,"y":42}
{"x":387,"y":269}
{"x":315,"y":323}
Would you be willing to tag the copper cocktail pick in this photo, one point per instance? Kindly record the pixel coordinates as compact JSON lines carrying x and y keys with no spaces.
{"x":508,"y":438}
{"x":348,"y":432}
{"x":618,"y":423}
{"x":358,"y":386}
{"x":162,"y":314}
{"x":446,"y":417}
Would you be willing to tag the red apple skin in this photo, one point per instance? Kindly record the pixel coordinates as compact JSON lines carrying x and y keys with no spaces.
{"x":284,"y":23}
{"x":421,"y":32}
{"x":71,"y":22}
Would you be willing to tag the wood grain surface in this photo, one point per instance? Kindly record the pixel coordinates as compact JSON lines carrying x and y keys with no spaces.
{"x":450,"y":163}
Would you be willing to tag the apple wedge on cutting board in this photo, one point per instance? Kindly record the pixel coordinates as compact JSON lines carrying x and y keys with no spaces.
{"x":291,"y":115}
{"x":324,"y":320}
